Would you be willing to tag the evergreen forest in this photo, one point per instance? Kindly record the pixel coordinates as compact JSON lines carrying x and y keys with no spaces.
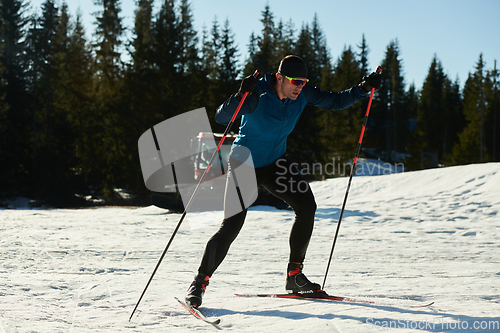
{"x":72,"y":109}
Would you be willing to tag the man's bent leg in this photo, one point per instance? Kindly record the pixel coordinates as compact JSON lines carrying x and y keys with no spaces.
{"x":294,"y":189}
{"x":218,"y":246}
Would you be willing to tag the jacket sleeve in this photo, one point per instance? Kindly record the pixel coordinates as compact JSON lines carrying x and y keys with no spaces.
{"x":226,"y":110}
{"x":332,"y":100}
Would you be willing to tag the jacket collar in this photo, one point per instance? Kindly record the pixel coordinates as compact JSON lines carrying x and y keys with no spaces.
{"x":269,"y":80}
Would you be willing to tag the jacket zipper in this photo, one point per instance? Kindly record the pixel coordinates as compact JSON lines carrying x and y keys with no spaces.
{"x":281,"y":131}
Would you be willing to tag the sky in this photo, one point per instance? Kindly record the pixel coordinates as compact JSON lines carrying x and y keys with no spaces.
{"x":456,"y":31}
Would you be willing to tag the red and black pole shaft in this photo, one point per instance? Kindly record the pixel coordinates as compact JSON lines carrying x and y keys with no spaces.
{"x":353,"y":170}
{"x":228,"y":128}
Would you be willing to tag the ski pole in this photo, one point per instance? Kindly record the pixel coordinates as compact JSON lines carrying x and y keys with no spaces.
{"x":379,"y":70}
{"x":228,"y":128}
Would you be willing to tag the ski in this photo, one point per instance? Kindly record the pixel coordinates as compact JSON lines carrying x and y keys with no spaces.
{"x":323,"y":297}
{"x":197,"y":313}
{"x":422,"y":305}
{"x":319,"y":296}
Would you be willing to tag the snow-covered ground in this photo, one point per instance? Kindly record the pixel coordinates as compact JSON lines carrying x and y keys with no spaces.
{"x":405,"y":238}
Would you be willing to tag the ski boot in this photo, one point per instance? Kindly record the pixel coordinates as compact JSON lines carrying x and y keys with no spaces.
{"x":298,"y":283}
{"x":196,"y":290}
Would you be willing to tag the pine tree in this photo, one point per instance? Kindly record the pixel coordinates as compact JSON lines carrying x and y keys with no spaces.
{"x":320,"y":52}
{"x":411,"y":102}
{"x":188,"y":40}
{"x":251,"y":62}
{"x":264,"y":57}
{"x":304,"y":49}
{"x":344,"y":126}
{"x":48,"y":22}
{"x":284,"y":39}
{"x":328,"y":118}
{"x":142,"y":42}
{"x":4,"y":108}
{"x":306,"y":143}
{"x":454,"y":120}
{"x":141,"y":79}
{"x":166,"y":51}
{"x":59,"y":162}
{"x":206,"y":46}
{"x":346,"y":71}
{"x":17,"y":119}
{"x":211,"y":54}
{"x":3,"y":104}
{"x":388,"y":117}
{"x":494,"y":119}
{"x":108,"y":136}
{"x":363,"y":57}
{"x":211,"y":59}
{"x":137,"y":99}
{"x":192,"y":79}
{"x":108,"y":32}
{"x":81,"y":96}
{"x":431,"y":114}
{"x":33,"y":64}
{"x":438,"y":120}
{"x":470,"y":148}
{"x":228,"y":68}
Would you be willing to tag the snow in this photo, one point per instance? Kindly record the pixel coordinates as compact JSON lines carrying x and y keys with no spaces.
{"x":405,"y":238}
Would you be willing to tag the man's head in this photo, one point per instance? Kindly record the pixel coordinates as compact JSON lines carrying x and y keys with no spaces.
{"x":291,"y":77}
{"x":293,"y":66}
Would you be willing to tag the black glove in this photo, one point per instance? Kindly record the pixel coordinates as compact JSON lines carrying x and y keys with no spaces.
{"x":368,"y":82}
{"x":247,"y":85}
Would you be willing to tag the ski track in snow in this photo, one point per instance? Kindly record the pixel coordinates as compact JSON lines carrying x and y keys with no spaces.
{"x":422,"y":236}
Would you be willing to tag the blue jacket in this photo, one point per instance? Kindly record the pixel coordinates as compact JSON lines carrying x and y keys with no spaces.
{"x":266,"y":121}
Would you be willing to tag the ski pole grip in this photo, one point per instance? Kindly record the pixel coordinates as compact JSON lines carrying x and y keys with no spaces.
{"x":378,"y":71}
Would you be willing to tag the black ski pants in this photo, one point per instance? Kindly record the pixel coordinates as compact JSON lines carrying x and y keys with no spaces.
{"x":284,"y":180}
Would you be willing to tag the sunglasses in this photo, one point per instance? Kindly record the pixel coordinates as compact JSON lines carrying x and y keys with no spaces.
{"x":297,"y":82}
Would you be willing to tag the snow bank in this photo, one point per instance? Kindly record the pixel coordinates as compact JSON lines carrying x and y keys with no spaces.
{"x":405,"y":238}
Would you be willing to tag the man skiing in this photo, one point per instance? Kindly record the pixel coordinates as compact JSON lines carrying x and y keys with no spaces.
{"x":268,"y":115}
